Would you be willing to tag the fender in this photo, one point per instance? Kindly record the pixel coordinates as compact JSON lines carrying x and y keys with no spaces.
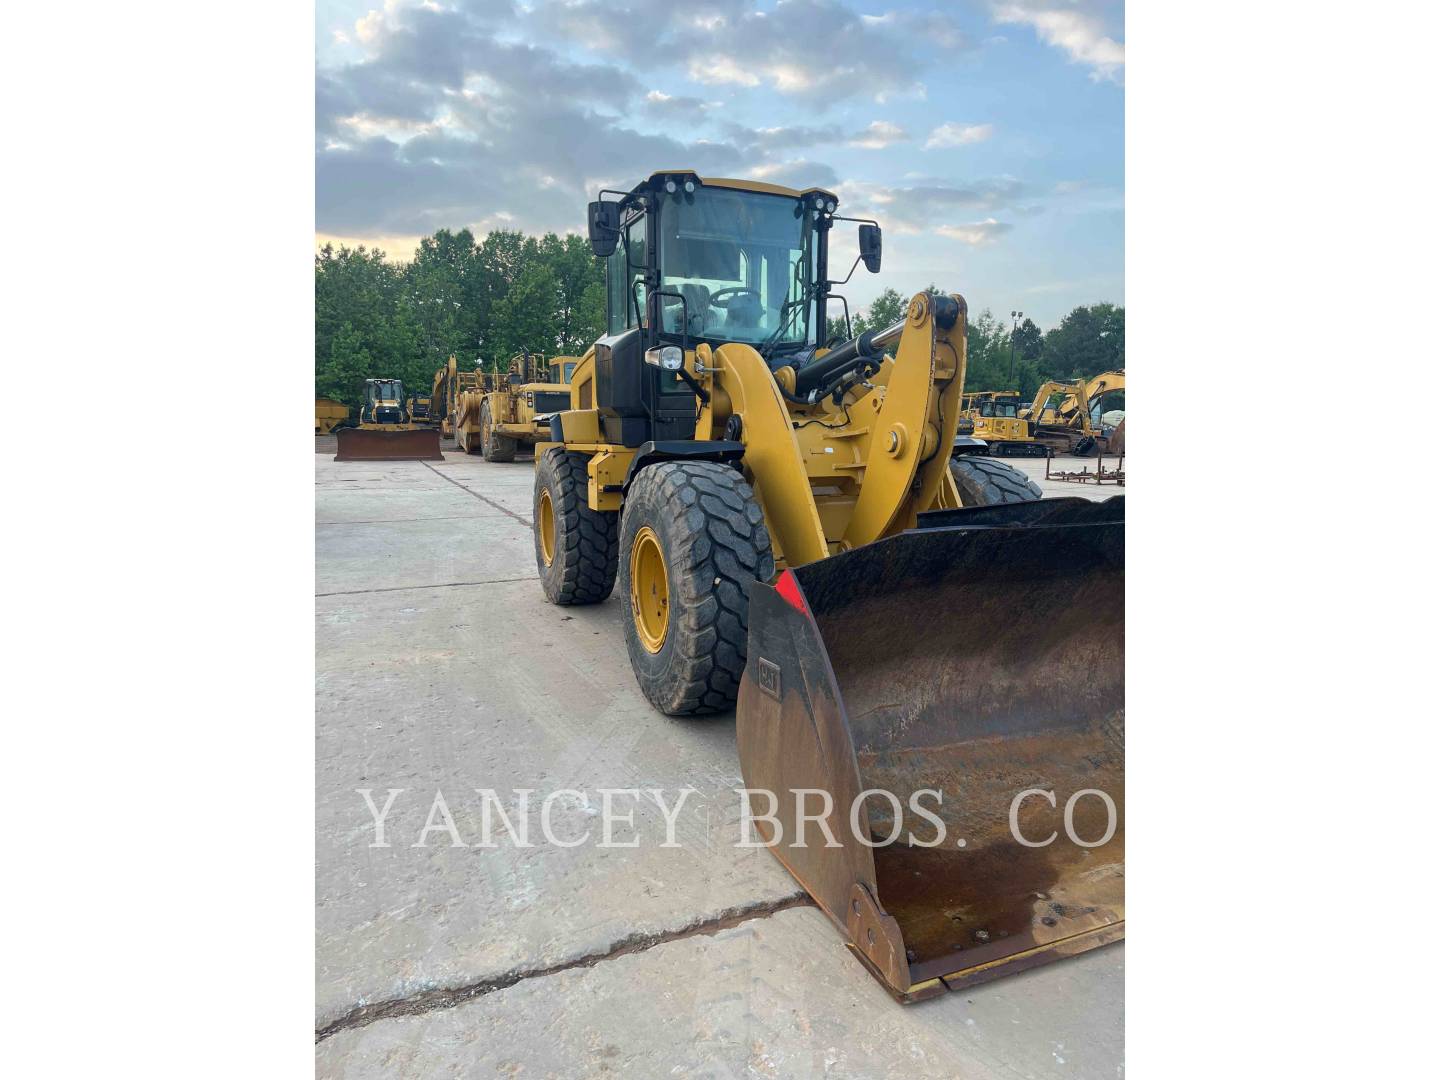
{"x":652,"y":452}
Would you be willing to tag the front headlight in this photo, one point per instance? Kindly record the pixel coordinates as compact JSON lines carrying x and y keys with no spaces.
{"x":665,"y":357}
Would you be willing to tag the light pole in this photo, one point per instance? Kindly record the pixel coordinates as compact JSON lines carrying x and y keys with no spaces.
{"x":1015,"y":317}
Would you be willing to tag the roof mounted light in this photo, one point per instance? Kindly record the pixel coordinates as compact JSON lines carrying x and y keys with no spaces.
{"x":670,"y":186}
{"x":689,"y":187}
{"x":819,"y":202}
{"x":830,"y":206}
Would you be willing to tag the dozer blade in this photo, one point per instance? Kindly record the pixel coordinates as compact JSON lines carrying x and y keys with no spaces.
{"x":379,"y":444}
{"x":980,"y":656}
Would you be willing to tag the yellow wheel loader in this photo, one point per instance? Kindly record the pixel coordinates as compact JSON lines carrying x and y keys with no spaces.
{"x":1065,"y":416}
{"x":792,"y":537}
{"x":507,"y":411}
{"x":386,"y":431}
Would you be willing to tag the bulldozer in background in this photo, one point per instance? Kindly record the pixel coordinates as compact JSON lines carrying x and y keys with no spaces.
{"x":793,"y":536}
{"x":386,"y":431}
{"x":995,"y":419}
{"x":510,"y":409}
{"x":1065,"y":416}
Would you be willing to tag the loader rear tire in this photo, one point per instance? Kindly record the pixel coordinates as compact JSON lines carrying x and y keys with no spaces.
{"x":494,"y":447}
{"x":986,"y":482}
{"x":692,"y":538}
{"x":576,"y":548}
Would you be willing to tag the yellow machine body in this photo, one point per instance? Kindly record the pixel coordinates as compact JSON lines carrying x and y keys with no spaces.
{"x":995,"y":418}
{"x":795,"y":537}
{"x":448,"y":384}
{"x":386,"y":431}
{"x":329,"y":414}
{"x":1066,"y":415}
{"x":504,"y":411}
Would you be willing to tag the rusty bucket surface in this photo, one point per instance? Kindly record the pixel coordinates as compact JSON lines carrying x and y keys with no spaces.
{"x":980,"y":656}
{"x":387,"y":444}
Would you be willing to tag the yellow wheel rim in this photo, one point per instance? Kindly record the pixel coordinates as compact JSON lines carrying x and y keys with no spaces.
{"x":547,"y":528}
{"x":649,"y":590}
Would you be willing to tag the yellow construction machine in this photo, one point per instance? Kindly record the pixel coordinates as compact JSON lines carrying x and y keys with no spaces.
{"x":512,"y":409}
{"x":449,"y":383}
{"x":994,"y":416}
{"x":792,"y":537}
{"x":329,"y":414}
{"x":1065,"y":416}
{"x":386,"y":431}
{"x":420,"y":410}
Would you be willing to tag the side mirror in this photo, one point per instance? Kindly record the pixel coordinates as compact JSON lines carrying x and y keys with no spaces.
{"x":604,"y":219}
{"x":870,"y":247}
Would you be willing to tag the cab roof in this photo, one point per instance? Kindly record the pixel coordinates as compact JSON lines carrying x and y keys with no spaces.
{"x":662,"y":175}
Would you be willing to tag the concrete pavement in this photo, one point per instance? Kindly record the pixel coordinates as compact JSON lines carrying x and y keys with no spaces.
{"x":440,"y":669}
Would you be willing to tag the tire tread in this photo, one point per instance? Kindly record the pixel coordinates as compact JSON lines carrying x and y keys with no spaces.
{"x":718,"y":545}
{"x":589,"y":540}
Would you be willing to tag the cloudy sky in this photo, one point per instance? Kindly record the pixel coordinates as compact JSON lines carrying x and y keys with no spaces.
{"x":986,"y":136}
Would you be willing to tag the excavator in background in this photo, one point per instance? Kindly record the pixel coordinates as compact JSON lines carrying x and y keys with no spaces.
{"x":386,"y":431}
{"x":1065,"y":416}
{"x":793,"y":537}
{"x":512,"y":409}
{"x":994,"y":416}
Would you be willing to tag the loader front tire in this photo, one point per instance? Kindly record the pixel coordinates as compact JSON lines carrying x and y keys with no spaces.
{"x":576,"y":548}
{"x":692,"y":538}
{"x":494,"y":447}
{"x":984,"y":481}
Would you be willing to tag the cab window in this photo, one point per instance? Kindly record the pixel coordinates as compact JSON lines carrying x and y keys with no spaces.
{"x":624,"y":277}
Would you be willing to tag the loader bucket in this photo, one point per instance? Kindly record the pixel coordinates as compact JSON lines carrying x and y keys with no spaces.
{"x":381,"y":444}
{"x":980,"y":656}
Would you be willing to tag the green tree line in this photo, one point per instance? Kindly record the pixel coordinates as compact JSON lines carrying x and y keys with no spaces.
{"x":483,"y":301}
{"x":1089,"y":340}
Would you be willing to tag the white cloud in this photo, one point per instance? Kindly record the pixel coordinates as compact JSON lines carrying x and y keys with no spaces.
{"x":735,"y":43}
{"x":369,"y":27}
{"x":977,"y":234}
{"x":712,"y":70}
{"x":798,"y":173}
{"x":958,"y":135}
{"x":879,"y":135}
{"x":1080,"y":32}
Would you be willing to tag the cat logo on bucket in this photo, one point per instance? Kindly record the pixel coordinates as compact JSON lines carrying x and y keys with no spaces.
{"x":768,"y":677}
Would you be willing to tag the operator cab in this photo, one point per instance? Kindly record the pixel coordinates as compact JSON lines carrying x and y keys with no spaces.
{"x":689,"y":260}
{"x":384,"y":402}
{"x":1003,"y":408}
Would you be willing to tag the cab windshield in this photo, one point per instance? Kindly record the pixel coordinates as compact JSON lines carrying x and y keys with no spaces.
{"x":386,"y":390}
{"x":743,"y":261}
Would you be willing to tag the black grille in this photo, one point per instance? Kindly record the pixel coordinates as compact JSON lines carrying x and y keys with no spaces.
{"x":549,"y":401}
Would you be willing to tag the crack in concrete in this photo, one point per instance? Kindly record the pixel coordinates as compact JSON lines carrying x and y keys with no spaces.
{"x":402,"y":521}
{"x":442,"y":585}
{"x":448,"y":998}
{"x":489,"y":502}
